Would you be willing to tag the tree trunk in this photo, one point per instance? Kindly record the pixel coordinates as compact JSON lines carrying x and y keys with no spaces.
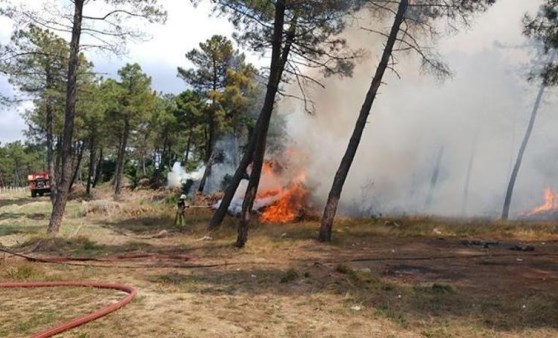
{"x":273,"y":84}
{"x":121,"y":159}
{"x":187,"y":156}
{"x":469,"y":171}
{"x":69,"y":114}
{"x":77,"y":167}
{"x":343,"y":170}
{"x":210,"y":155}
{"x":515,"y":171}
{"x":220,"y":213}
{"x":91,"y":168}
{"x":98,"y":168}
{"x":279,"y":58}
{"x":50,"y":141}
{"x":206,"y":173}
{"x":434,"y":179}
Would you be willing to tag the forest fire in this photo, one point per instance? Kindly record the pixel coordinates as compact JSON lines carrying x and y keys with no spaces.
{"x":550,"y":203}
{"x":288,"y":201}
{"x":288,"y":207}
{"x":282,"y":194}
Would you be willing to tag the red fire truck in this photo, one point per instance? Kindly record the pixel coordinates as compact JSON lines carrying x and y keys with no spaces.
{"x":39,"y":183}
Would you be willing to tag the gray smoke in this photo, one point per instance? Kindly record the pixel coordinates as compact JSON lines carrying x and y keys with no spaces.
{"x":481,"y":113}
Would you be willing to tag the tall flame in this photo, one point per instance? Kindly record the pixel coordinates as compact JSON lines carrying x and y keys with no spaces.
{"x":550,"y":202}
{"x":289,"y":200}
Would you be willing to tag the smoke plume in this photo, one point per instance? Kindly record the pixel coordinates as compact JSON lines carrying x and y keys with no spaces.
{"x":474,"y":120}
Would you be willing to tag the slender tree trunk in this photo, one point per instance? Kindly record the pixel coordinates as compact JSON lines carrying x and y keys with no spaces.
{"x":98,"y":168}
{"x":58,"y":161}
{"x":188,"y":145}
{"x":71,"y":93}
{"x":434,"y":179}
{"x":273,"y":84}
{"x":77,"y":167}
{"x":515,"y":171}
{"x":343,"y":170}
{"x":121,"y":159}
{"x":210,"y":155}
{"x":279,"y":58}
{"x":469,"y":171}
{"x":50,"y":141}
{"x":206,"y":173}
{"x":91,"y":167}
{"x":220,"y":213}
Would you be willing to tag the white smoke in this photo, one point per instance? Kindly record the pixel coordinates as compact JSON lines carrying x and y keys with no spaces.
{"x":483,"y":110}
{"x":178,"y":175}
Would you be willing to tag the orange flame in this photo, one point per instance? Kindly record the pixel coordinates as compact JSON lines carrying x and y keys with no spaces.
{"x":288,"y":207}
{"x":550,"y":202}
{"x":289,"y":194}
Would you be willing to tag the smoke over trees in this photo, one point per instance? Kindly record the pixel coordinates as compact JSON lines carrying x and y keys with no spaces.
{"x":410,"y":20}
{"x":299,"y":34}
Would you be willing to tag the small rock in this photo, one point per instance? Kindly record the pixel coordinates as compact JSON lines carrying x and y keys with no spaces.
{"x":162,"y":234}
{"x":356,"y":308}
{"x":283,"y":235}
{"x":519,"y":259}
{"x":366,"y":270}
{"x":436,"y":231}
{"x":253,"y":276}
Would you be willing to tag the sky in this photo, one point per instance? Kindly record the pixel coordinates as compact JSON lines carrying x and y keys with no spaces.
{"x":481,"y":110}
{"x":159,"y":57}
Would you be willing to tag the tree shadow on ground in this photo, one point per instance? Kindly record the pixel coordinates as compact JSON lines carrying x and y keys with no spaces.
{"x":416,"y":305}
{"x":11,"y":215}
{"x":5,"y":202}
{"x":140,"y":225}
{"x":9,"y":229}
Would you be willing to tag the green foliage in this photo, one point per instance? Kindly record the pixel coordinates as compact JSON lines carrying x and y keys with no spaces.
{"x":316,"y":26}
{"x":543,"y":27}
{"x":17,"y":160}
{"x":224,"y":92}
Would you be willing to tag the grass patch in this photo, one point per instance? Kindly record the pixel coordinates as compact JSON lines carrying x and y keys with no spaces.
{"x":434,"y":288}
{"x":289,"y":276}
{"x":78,"y":246}
{"x":22,"y":272}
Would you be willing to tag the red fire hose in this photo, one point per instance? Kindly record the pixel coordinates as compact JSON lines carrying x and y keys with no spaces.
{"x":80,"y":320}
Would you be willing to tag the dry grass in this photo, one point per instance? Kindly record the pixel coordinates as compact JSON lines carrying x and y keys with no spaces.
{"x":368,"y":283}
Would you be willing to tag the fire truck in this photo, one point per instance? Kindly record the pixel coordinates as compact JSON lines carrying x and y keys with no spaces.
{"x":39,"y":183}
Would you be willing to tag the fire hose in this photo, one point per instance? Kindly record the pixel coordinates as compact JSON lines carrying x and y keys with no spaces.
{"x":132,"y":291}
{"x":83,"y":319}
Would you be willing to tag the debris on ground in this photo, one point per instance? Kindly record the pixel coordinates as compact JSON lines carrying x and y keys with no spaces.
{"x":483,"y":244}
{"x":522,"y":247}
{"x":392,"y":224}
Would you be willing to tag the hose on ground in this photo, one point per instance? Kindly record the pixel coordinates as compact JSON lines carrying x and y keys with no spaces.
{"x":83,"y":319}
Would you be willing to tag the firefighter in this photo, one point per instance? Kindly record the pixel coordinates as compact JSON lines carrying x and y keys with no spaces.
{"x":180,"y":210}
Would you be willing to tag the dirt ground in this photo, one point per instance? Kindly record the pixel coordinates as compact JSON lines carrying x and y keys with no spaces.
{"x":407,"y":277}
